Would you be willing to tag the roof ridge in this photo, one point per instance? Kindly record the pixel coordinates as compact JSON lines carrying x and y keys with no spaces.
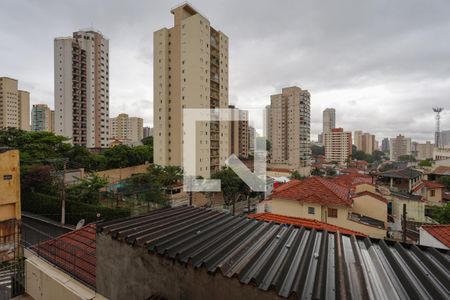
{"x":336,"y":185}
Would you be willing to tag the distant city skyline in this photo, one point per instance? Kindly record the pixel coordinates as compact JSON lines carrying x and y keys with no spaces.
{"x":382,"y":77}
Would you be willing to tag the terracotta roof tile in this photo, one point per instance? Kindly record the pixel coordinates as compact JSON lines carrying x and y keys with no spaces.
{"x":433,"y":184}
{"x":440,"y":232}
{"x":314,"y":190}
{"x":73,"y":252}
{"x":302,"y":222}
{"x":352,"y":179}
{"x":441,"y":170}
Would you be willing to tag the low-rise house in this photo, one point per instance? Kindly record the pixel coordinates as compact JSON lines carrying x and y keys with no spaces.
{"x":437,"y":236}
{"x":431,"y":191}
{"x":438,"y":172}
{"x":401,"y":180}
{"x":343,"y":202}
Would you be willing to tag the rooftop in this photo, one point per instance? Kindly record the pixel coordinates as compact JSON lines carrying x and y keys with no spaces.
{"x":287,"y":260}
{"x":314,"y":190}
{"x":302,"y":222}
{"x":407,"y":173}
{"x":440,"y":232}
{"x":73,"y":252}
{"x":441,"y":170}
{"x":352,"y":179}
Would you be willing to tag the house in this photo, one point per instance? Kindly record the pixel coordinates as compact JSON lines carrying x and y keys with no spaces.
{"x":401,"y":180}
{"x":348,"y":201}
{"x":196,"y":253}
{"x":438,"y":172}
{"x":437,"y":236}
{"x":431,"y":191}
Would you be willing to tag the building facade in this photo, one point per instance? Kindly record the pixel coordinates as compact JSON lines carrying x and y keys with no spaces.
{"x":190,"y":71}
{"x":252,"y":135}
{"x":399,"y":146}
{"x":338,"y":145}
{"x":147,"y":131}
{"x":444,"y":138}
{"x":128,"y":128}
{"x":82,"y":88}
{"x":239,"y":133}
{"x":290,"y":129}
{"x":329,"y":119}
{"x":364,"y":141}
{"x":423,"y":151}
{"x":42,"y":118}
{"x":14,"y":105}
{"x":385,"y":145}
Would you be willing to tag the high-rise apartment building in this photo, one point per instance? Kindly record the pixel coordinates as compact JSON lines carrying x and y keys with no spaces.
{"x":14,"y":105}
{"x":338,"y":145}
{"x":82,"y":88}
{"x":123,"y":127}
{"x":251,"y":140}
{"x":289,"y":116}
{"x":41,"y":118}
{"x":423,"y":151}
{"x":267,"y":123}
{"x":148,"y":131}
{"x":190,"y":70}
{"x":385,"y":145}
{"x":399,"y":146}
{"x":364,"y":141}
{"x":329,"y":119}
{"x":444,"y":138}
{"x":239,"y":133}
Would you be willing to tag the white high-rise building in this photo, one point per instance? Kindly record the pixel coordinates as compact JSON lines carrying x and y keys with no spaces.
{"x":81,"y":65}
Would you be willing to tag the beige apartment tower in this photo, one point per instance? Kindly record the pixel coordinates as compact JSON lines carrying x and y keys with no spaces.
{"x":14,"y":105}
{"x":364,"y":141}
{"x":82,"y":88}
{"x":239,"y":133}
{"x":399,"y":146}
{"x":289,"y":132}
{"x":123,"y":127}
{"x":338,"y":145}
{"x":190,"y":71}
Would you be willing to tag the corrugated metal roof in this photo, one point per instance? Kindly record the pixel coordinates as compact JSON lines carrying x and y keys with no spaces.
{"x":292,"y":261}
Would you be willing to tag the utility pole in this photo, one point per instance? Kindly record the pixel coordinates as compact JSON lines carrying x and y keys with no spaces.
{"x":404,"y":223}
{"x":63,"y":195}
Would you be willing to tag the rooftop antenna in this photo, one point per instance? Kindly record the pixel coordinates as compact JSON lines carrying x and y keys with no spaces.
{"x":437,"y":138}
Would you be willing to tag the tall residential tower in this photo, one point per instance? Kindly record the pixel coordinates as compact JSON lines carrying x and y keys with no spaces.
{"x":289,"y":120}
{"x":82,"y":88}
{"x":190,"y":70}
{"x":14,"y":105}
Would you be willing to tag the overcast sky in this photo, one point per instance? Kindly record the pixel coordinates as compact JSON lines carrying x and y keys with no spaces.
{"x":383,"y":65}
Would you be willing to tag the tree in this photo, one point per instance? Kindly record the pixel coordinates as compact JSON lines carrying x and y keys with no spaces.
{"x":296,"y":175}
{"x":317,"y":150}
{"x":425,"y":163}
{"x":38,"y":178}
{"x":442,"y":214}
{"x":406,"y":158}
{"x":231,"y":185}
{"x":330,"y":171}
{"x":87,"y":190}
{"x":445,"y":180}
{"x":317,"y":172}
{"x":147,"y":185}
{"x":147,"y":141}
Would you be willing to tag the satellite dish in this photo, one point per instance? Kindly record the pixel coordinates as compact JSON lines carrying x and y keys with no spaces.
{"x":80,"y":224}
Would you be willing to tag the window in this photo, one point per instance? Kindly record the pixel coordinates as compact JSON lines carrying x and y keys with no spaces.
{"x":332,"y":212}
{"x":311,"y":210}
{"x":432,"y":193}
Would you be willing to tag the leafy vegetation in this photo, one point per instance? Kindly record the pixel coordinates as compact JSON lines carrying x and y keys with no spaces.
{"x":406,"y":158}
{"x":425,"y":163}
{"x":296,"y":175}
{"x":445,"y":180}
{"x":442,"y":214}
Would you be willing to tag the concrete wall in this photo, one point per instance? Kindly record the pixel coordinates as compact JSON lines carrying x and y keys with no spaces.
{"x":368,"y":206}
{"x":45,"y":282}
{"x":293,"y":208}
{"x":427,"y":239}
{"x":115,"y":175}
{"x":124,"y":272}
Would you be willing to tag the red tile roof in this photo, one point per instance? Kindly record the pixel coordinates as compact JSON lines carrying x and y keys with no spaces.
{"x":73,"y":252}
{"x":352,"y":179}
{"x":433,"y":184}
{"x":440,"y":232}
{"x":441,"y":170}
{"x":314,"y":190}
{"x":352,"y":171}
{"x":373,"y":195}
{"x":302,"y":222}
